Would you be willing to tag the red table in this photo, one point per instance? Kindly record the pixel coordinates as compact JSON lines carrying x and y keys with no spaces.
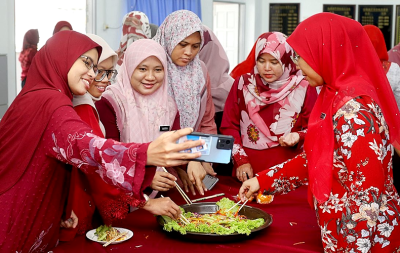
{"x":294,"y":229}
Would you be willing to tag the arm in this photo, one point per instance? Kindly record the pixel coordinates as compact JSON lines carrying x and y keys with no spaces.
{"x":207,"y":124}
{"x":108,"y":118}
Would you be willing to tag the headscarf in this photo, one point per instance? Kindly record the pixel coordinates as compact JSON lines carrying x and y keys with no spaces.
{"x":288,"y":91}
{"x":214,"y":56}
{"x":60,"y":25}
{"x":339,"y":50}
{"x":378,"y":41}
{"x":394,"y":54}
{"x":140,"y":116}
{"x":46,"y":89}
{"x":135,"y":26}
{"x":185,"y":82}
{"x":31,"y":39}
{"x":247,"y":65}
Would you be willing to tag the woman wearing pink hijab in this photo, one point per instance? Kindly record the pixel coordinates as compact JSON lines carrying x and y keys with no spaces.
{"x":29,"y":50}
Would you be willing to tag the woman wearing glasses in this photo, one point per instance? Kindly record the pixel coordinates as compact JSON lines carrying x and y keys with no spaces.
{"x":267,"y":109}
{"x":40,"y":133}
{"x":348,"y":149}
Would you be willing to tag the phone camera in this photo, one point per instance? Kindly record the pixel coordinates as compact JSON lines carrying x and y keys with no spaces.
{"x":228,"y":142}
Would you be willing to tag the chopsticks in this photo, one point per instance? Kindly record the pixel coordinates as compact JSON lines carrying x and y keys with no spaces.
{"x":233,"y":206}
{"x":183,"y":218}
{"x":185,"y":197}
{"x":242,"y":205}
{"x":209,"y":197}
{"x":115,"y":238}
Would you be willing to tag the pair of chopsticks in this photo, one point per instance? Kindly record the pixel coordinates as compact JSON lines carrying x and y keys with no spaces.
{"x":238,"y":204}
{"x":115,"y":238}
{"x":183,"y":218}
{"x":185,"y":197}
{"x":209,"y":197}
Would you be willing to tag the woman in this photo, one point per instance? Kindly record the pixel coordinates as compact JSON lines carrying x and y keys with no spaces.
{"x":267,"y":109}
{"x":40,"y":133}
{"x":29,"y":49}
{"x":347,"y":158}
{"x":135,"y":26}
{"x":394,"y":54}
{"x":181,"y":36}
{"x":62,"y":26}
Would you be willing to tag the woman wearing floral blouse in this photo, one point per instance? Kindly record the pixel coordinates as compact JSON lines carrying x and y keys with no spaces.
{"x":349,"y":169}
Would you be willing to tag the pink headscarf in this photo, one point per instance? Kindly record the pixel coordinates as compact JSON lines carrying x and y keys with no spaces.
{"x":186,"y":82}
{"x":394,"y":54}
{"x":136,"y":26}
{"x":140,"y":116}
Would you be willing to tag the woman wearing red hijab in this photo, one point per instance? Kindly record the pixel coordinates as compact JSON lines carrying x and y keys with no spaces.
{"x":62,"y":26}
{"x":29,"y":49}
{"x":348,"y":148}
{"x":41,"y":133}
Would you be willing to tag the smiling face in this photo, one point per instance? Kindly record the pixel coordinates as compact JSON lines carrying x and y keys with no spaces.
{"x":269,"y":67}
{"x":148,"y":76}
{"x":80,"y":76}
{"x":186,"y":50}
{"x":97,"y":88}
{"x":313,"y":78}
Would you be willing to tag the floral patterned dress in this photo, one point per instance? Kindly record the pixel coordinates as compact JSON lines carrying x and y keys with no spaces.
{"x":32,"y":209}
{"x":362,"y":211}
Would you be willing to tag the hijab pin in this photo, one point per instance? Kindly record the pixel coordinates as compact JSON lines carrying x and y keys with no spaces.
{"x":323,"y":115}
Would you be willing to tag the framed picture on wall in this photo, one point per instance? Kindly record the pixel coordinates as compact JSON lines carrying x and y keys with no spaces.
{"x":341,"y":9}
{"x":283,"y":18}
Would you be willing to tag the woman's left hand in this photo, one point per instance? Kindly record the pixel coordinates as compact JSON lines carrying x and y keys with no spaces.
{"x":72,"y":222}
{"x":209,"y":169}
{"x":289,"y":140}
{"x":248,"y":188}
{"x":185,"y":181}
{"x":196,"y":174}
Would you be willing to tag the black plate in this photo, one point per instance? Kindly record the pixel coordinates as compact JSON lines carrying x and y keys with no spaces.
{"x":210,"y":207}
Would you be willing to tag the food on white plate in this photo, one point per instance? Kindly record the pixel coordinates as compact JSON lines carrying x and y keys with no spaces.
{"x":106,"y":233}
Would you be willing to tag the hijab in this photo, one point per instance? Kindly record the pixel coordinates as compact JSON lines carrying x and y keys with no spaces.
{"x":378,"y":41}
{"x":339,"y":50}
{"x":140,"y":116}
{"x":187,"y":82}
{"x":47,"y":89}
{"x":394,"y":54}
{"x":60,"y":25}
{"x":135,"y":26}
{"x":287,"y":93}
{"x":31,"y":39}
{"x":247,"y":65}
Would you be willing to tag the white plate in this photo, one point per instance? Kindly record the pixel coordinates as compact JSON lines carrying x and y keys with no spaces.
{"x":91,"y":236}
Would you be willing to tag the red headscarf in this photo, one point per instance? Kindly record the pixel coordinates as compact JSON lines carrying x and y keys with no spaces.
{"x":247,"y":65}
{"x":378,"y":41}
{"x":60,"y":25}
{"x":339,"y":50}
{"x":46,"y":90}
{"x":31,"y":39}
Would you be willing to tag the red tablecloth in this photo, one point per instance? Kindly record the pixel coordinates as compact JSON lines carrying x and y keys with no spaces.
{"x":294,"y":229}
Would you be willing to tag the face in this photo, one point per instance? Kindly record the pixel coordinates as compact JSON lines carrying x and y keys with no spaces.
{"x":81,"y":74}
{"x":148,"y":76}
{"x":186,"y":50}
{"x":309,"y":74}
{"x":97,"y":88}
{"x":64,"y":28}
{"x":270,"y":69}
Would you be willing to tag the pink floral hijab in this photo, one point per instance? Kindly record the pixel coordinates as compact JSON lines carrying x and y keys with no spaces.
{"x":140,"y":116}
{"x":288,"y":92}
{"x":135,"y":26}
{"x":186,"y":83}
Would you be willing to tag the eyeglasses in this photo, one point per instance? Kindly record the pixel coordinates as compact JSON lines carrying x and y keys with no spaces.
{"x":295,"y":58}
{"x":111,"y":74}
{"x":89,"y":64}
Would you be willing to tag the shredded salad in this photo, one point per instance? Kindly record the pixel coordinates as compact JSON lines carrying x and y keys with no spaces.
{"x":222,"y":222}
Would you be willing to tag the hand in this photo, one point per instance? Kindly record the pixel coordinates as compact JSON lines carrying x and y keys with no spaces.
{"x":164,"y":151}
{"x":244,"y":171}
{"x":209,"y":169}
{"x":196,"y":174}
{"x":163,"y":181}
{"x":72,"y":222}
{"x":185,"y":181}
{"x":249,"y":188}
{"x":289,"y":140}
{"x":163,"y":206}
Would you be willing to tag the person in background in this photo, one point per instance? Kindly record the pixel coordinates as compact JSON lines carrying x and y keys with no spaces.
{"x":181,"y":36}
{"x":348,"y":149}
{"x":40,"y":133}
{"x":62,"y":26}
{"x":214,"y":56}
{"x":267,"y":109}
{"x":394,"y":54}
{"x":29,"y":49}
{"x":135,"y":26}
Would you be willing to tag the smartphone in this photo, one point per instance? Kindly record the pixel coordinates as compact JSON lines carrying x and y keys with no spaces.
{"x":209,"y":181}
{"x":216,"y":149}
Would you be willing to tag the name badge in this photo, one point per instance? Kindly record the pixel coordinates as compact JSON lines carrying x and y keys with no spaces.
{"x":164,"y":128}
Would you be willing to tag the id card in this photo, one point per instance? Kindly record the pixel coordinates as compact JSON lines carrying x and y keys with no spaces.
{"x":203,"y":149}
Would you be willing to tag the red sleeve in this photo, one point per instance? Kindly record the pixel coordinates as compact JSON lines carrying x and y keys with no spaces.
{"x":108,"y":118}
{"x":207,"y":124}
{"x":89,"y":115}
{"x":230,"y":124}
